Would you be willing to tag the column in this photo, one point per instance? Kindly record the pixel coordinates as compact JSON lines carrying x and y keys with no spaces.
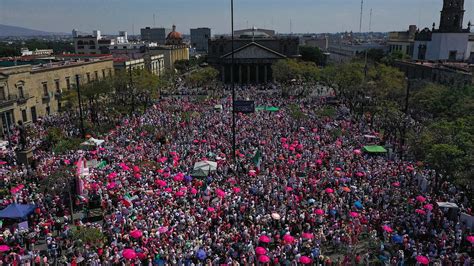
{"x":256,"y":73}
{"x":265,"y":72}
{"x":240,"y":74}
{"x":248,"y":74}
{"x":223,"y":73}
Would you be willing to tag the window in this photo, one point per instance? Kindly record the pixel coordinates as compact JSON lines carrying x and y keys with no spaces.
{"x":33,"y":114}
{"x":80,"y":42}
{"x":24,"y":115}
{"x":80,"y":47}
{"x":221,"y":49}
{"x":48,"y":110}
{"x":68,"y":83}
{"x":56,"y":83}
{"x":96,"y":73}
{"x":92,"y":47}
{"x":88,"y":77}
{"x":21,"y":94}
{"x":103,"y":73}
{"x":45,"y":89}
{"x":2,"y":93}
{"x":91,"y":42}
{"x":452,"y":55}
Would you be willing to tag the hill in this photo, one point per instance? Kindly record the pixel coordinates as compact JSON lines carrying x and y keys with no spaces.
{"x":7,"y":30}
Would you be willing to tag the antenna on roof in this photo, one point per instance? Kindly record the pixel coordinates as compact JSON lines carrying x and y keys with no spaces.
{"x":370,"y":21}
{"x":361,"y":13}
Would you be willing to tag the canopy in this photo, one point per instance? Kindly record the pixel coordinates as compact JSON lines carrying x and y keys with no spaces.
{"x":447,"y":205}
{"x":203,"y":168}
{"x":17,"y":211}
{"x":374,"y":149}
{"x":93,"y":142}
{"x":267,"y":108}
{"x":218,"y":107}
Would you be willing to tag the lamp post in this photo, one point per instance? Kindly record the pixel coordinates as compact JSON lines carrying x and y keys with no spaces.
{"x":233,"y":82}
{"x":80,"y":106}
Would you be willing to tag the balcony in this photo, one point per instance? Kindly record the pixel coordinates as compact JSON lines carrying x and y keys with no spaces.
{"x":8,"y":100}
{"x":23,"y":99}
{"x":46,"y":98}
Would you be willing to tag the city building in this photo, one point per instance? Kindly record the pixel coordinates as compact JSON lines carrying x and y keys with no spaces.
{"x":95,"y":43}
{"x":343,"y":52}
{"x":450,"y":41}
{"x":173,"y":50}
{"x":200,"y":39}
{"x":314,"y":41}
{"x":153,"y":63}
{"x":157,"y":35}
{"x":255,"y":52}
{"x":127,"y":64}
{"x":447,"y":73}
{"x":264,"y":32}
{"x":28,"y":92}
{"x":402,"y":41}
{"x":36,"y":52}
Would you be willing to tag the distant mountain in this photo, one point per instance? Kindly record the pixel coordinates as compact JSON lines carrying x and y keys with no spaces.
{"x":13,"y":31}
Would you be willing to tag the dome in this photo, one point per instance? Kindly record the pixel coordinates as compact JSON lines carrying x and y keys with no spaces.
{"x":174,"y":35}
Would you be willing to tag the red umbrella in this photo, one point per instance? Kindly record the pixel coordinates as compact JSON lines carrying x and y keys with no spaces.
{"x":428,"y":207}
{"x":354,"y":214}
{"x":260,"y":251}
{"x":307,"y":235}
{"x":329,"y":190}
{"x":319,"y":212}
{"x":264,"y":259}
{"x":264,"y":239}
{"x":288,"y":189}
{"x":136,"y":234}
{"x":305,"y":260}
{"x":161,"y":183}
{"x":236,"y":189}
{"x":420,"y":211}
{"x":179,"y":194}
{"x":346,"y":189}
{"x":288,"y":239}
{"x":396,"y":184}
{"x":357,"y":151}
{"x":423,"y":260}
{"x":3,"y":162}
{"x":194,"y":191}
{"x":387,"y":228}
{"x":210,"y":209}
{"x":129,"y":254}
{"x":111,"y":185}
{"x":220,"y":193}
{"x":4,"y":248}
{"x":420,"y":198}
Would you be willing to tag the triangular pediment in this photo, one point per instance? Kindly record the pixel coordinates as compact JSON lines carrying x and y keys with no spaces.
{"x":254,"y":51}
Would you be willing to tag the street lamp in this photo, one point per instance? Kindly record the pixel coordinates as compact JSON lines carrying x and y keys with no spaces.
{"x":233,"y":82}
{"x":80,"y":106}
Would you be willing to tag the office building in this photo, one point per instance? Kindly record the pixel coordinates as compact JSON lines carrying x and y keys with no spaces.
{"x":200,"y":38}
{"x":157,"y":35}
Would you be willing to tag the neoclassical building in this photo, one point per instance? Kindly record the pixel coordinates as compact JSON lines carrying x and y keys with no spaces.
{"x":254,"y":53}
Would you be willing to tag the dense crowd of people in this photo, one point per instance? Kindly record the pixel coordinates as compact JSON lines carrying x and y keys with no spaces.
{"x":302,"y":191}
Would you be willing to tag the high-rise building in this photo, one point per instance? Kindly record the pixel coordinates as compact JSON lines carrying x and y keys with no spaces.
{"x":157,"y":35}
{"x":200,"y":39}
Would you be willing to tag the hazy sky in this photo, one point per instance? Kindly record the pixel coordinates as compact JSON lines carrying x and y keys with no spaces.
{"x":110,"y":16}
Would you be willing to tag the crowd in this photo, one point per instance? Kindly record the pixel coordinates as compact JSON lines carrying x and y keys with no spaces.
{"x":302,"y":191}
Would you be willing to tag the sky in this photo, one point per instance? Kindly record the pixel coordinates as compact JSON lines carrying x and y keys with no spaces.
{"x":315,"y":16}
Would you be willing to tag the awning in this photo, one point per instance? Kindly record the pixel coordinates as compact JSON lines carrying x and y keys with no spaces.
{"x":203,"y":168}
{"x":447,"y":205}
{"x":267,"y":108}
{"x":17,"y":211}
{"x":374,"y":149}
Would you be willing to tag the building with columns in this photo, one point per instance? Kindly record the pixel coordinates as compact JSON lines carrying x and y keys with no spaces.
{"x":254,"y":53}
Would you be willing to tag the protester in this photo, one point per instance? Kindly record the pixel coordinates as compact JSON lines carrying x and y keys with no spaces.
{"x":301,"y":192}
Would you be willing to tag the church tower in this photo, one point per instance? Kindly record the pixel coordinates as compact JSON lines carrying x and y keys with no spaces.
{"x":452,"y":16}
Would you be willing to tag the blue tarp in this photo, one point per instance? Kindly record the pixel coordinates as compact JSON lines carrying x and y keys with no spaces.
{"x":17,"y":211}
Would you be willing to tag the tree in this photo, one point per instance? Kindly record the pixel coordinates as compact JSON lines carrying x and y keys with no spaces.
{"x":202,"y":77}
{"x":312,"y":54}
{"x":290,"y":70}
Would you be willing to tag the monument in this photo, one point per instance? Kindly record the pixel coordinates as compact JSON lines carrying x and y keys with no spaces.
{"x":24,"y":153}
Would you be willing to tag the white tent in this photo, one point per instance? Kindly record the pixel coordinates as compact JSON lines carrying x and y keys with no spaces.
{"x":93,"y":142}
{"x":447,"y":205}
{"x":203,"y":168}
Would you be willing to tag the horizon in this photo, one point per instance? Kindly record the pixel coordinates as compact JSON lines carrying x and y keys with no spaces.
{"x":306,"y":16}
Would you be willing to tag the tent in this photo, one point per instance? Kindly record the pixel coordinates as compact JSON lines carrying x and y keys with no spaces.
{"x":447,"y":205}
{"x":203,"y":168}
{"x":267,"y":108}
{"x":93,"y":142}
{"x":17,"y":211}
{"x":374,"y":149}
{"x":218,"y":107}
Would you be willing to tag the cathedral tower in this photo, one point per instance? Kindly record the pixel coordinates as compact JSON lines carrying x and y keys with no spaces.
{"x":452,"y":16}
